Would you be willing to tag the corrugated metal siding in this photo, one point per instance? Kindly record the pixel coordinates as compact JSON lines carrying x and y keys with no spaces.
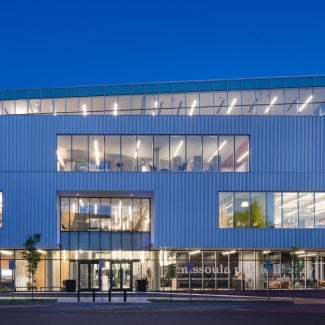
{"x":286,"y":155}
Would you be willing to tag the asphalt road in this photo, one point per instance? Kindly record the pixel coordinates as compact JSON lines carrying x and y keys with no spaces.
{"x":162,"y":313}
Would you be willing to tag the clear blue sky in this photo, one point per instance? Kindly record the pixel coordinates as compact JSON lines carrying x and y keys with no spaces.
{"x":76,"y":42}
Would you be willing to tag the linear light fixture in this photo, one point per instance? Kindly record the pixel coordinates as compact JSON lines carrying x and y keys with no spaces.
{"x":81,"y":202}
{"x":244,"y":204}
{"x":60,"y":158}
{"x":221,"y":146}
{"x":314,"y":205}
{"x":155,"y":107}
{"x":228,"y":253}
{"x":84,"y":109}
{"x":193,"y":107}
{"x":232,"y":105}
{"x":243,"y":156}
{"x":96,"y":152}
{"x":271,"y":104}
{"x":137,"y":149}
{"x":320,"y":211}
{"x":292,"y":213}
{"x":115,"y":109}
{"x":42,"y":252}
{"x":6,"y":253}
{"x":178,"y":148}
{"x":306,"y":255}
{"x":266,"y":252}
{"x":195,"y":252}
{"x":295,"y":200}
{"x":305,"y":104}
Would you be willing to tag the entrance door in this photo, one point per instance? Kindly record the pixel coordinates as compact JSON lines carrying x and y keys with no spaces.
{"x":121,"y":276}
{"x":89,"y":275}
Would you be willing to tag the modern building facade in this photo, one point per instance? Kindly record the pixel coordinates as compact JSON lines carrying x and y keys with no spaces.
{"x":222,"y":181}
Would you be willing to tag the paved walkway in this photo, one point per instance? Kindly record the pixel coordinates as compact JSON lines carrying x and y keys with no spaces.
{"x":144,"y":297}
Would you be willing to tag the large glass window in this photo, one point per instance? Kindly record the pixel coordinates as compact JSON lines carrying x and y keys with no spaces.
{"x":271,"y":210}
{"x":143,"y":154}
{"x":194,"y":153}
{"x":129,"y":153}
{"x":153,"y":153}
{"x":226,"y":153}
{"x":172,"y":100}
{"x":96,"y":153}
{"x":80,"y":152}
{"x":161,"y":153}
{"x":105,"y":214}
{"x":177,"y":153}
{"x":113,"y":153}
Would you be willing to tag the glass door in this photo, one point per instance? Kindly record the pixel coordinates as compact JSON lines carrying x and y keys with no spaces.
{"x":84,"y":276}
{"x":89,"y":275}
{"x":121,"y":276}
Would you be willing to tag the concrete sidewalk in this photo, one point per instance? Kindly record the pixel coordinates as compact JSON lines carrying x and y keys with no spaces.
{"x":133,"y":297}
{"x":144,"y":297}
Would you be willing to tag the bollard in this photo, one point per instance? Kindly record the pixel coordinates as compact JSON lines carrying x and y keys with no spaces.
{"x":109,"y":295}
{"x":93,"y":294}
{"x":78,"y":295}
{"x":124,"y":295}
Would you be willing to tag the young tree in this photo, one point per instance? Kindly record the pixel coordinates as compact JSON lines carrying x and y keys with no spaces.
{"x":32,"y":256}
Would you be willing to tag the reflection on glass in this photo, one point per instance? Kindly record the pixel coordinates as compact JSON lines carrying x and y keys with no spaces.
{"x":177,"y":153}
{"x":272,"y":210}
{"x":153,"y":153}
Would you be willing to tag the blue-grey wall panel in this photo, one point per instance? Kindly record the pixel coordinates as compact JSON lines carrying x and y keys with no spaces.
{"x":286,"y":154}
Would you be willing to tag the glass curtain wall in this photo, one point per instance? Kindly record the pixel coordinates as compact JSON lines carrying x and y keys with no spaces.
{"x":263,"y":101}
{"x":144,"y":153}
{"x":105,"y":214}
{"x":271,"y":210}
{"x":167,"y":269}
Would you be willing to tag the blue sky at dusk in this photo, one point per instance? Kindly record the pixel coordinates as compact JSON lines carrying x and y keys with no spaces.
{"x":47,"y":43}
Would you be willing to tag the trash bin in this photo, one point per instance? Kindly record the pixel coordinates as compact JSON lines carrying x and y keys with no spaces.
{"x":142,"y":285}
{"x":70,"y":285}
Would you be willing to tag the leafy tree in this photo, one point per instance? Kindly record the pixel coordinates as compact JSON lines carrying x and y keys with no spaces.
{"x":32,"y":256}
{"x":253,"y":215}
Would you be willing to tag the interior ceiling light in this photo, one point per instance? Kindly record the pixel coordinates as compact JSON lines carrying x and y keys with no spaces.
{"x":6,"y":253}
{"x":320,"y":211}
{"x":242,"y":156}
{"x":84,"y":109}
{"x":193,"y":107}
{"x":305,"y":104}
{"x":271,"y":104}
{"x":228,"y":253}
{"x":115,"y":109}
{"x":232,"y":105}
{"x":222,"y":145}
{"x":60,"y":158}
{"x":244,"y":204}
{"x":178,"y":148}
{"x":294,"y":201}
{"x":195,"y":252}
{"x":137,"y":149}
{"x":291,"y":213}
{"x":96,"y":152}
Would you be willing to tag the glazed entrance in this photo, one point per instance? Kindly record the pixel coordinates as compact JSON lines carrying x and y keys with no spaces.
{"x":105,"y":275}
